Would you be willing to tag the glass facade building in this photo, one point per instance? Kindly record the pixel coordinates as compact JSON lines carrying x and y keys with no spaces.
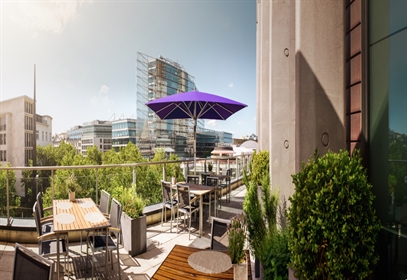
{"x":388,"y":129}
{"x":160,"y":77}
{"x":341,"y":83}
{"x":123,"y":132}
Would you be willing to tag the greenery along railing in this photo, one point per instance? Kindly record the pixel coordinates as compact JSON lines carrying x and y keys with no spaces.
{"x":17,"y":198}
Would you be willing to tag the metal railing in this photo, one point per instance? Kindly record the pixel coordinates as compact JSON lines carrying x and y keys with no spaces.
{"x":237,"y":163}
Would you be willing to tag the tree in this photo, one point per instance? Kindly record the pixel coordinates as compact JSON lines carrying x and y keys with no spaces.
{"x":13,"y":200}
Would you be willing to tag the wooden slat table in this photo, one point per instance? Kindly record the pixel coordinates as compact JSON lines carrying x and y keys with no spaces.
{"x":176,"y":266}
{"x":81,"y":214}
{"x":201,"y":190}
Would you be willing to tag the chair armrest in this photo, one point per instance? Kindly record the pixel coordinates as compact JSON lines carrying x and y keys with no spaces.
{"x":48,"y":208}
{"x":46,"y":219}
{"x":114,"y":229}
{"x":52,"y":235}
{"x":193,"y":199}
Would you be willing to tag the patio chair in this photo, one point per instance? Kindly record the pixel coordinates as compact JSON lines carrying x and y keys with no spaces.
{"x":48,"y":243}
{"x":97,"y":241}
{"x":225,"y":184}
{"x":203,"y":177}
{"x":103,"y":207}
{"x":104,"y":202}
{"x":193,"y":179}
{"x":169,"y":202}
{"x":45,"y":224}
{"x":42,"y":209}
{"x":214,"y":182}
{"x":219,"y":237}
{"x":185,"y":206}
{"x":29,"y":265}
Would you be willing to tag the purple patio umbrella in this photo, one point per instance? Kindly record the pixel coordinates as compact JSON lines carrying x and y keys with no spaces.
{"x":195,"y":105}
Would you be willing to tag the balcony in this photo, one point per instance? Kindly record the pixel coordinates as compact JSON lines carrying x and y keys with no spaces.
{"x":160,"y":239}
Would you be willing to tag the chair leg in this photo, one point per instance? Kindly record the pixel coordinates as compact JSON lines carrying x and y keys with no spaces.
{"x":118,"y":262}
{"x":172,"y":208}
{"x":189,"y":229}
{"x":162,"y":215}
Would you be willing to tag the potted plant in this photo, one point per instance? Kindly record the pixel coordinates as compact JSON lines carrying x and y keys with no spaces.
{"x":133,"y":221}
{"x":333,"y":225}
{"x":237,"y":238}
{"x":71,"y":186}
{"x":260,"y":207}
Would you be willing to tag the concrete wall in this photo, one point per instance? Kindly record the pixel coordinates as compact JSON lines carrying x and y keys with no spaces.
{"x":300,"y":83}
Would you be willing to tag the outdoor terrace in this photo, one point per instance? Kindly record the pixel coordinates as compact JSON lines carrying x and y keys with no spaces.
{"x":160,"y":243}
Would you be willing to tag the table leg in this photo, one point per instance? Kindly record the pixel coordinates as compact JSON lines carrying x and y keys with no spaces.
{"x":57,"y":234}
{"x":215,"y":203}
{"x":106,"y":255}
{"x":200,"y":214}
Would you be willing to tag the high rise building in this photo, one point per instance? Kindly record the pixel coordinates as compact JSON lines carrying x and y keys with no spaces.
{"x":332,"y":75}
{"x":156,"y":78}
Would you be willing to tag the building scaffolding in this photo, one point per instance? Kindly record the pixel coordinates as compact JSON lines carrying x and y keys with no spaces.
{"x":156,"y":78}
{"x":160,"y":77}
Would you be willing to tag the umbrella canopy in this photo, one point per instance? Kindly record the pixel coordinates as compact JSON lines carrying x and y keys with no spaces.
{"x":194,"y":105}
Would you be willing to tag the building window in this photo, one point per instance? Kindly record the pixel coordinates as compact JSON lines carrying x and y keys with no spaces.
{"x":37,"y":135}
{"x":42,"y":135}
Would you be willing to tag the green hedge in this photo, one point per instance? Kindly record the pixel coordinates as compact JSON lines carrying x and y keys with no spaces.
{"x":333,"y":226}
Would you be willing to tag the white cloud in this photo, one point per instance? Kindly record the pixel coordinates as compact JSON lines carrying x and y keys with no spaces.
{"x":231,"y":85}
{"x":47,"y":16}
{"x":212,"y":123}
{"x":102,"y":99}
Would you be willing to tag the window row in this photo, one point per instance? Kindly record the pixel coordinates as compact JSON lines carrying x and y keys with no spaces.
{"x":28,"y":156}
{"x":28,"y":123}
{"x":29,"y":107}
{"x":3,"y":155}
{"x":29,"y":141}
{"x":3,"y":139}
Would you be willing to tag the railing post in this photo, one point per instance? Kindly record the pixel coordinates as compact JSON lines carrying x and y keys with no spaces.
{"x":8,"y":202}
{"x":164,"y":172}
{"x":97,"y":191}
{"x":237,"y":168}
{"x":52,"y":183}
{"x":134,"y":175}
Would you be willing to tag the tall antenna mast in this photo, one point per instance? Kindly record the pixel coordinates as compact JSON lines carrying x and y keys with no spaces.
{"x":35,"y":122}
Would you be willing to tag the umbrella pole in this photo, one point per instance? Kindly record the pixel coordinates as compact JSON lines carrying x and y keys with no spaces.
{"x":195,"y":146}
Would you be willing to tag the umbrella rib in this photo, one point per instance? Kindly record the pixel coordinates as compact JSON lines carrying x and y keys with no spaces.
{"x":212,"y":106}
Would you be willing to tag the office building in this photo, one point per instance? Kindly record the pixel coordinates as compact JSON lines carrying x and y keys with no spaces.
{"x":123,"y":132}
{"x":156,"y":78}
{"x":74,"y":137}
{"x":333,"y":75}
{"x":17,"y":130}
{"x":98,"y":133}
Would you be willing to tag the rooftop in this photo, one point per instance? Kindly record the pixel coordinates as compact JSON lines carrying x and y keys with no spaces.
{"x":160,"y":243}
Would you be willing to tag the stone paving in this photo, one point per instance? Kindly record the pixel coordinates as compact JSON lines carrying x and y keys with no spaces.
{"x":160,"y":242}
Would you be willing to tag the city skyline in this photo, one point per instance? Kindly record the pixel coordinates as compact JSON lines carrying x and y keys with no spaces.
{"x":85,"y":54}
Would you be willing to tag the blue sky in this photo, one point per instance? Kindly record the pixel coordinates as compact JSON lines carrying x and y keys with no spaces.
{"x":85,"y":54}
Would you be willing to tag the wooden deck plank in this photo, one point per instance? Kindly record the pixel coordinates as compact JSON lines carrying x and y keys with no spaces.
{"x":176,"y":266}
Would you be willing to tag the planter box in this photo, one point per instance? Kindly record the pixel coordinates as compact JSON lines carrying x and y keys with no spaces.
{"x":291,"y":274}
{"x":134,"y":234}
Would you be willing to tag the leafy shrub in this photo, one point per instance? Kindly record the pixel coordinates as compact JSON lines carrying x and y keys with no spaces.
{"x":276,"y":255}
{"x":333,"y":226}
{"x":132,"y":203}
